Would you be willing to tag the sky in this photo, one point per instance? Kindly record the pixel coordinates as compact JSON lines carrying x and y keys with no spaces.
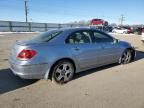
{"x":65,"y":11}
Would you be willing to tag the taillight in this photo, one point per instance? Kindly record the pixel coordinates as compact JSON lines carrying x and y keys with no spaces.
{"x":26,"y":54}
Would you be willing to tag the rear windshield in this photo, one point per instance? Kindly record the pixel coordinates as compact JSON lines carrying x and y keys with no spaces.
{"x":47,"y":36}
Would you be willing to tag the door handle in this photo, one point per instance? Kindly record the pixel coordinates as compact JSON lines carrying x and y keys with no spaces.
{"x":76,"y":49}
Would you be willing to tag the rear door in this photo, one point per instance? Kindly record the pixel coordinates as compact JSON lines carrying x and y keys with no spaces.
{"x":83,"y":49}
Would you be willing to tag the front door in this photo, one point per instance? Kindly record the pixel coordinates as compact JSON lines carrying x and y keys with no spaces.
{"x":110,"y":49}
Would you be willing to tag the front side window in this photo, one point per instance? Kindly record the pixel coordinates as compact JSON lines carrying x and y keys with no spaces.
{"x":79,"y":38}
{"x":99,"y":37}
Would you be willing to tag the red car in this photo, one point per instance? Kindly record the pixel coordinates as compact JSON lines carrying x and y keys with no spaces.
{"x":98,"y":22}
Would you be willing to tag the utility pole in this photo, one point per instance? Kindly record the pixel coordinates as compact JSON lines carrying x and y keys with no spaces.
{"x":122,"y":19}
{"x":26,"y":11}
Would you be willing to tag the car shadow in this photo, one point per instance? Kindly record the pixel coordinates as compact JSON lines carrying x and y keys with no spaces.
{"x":9,"y":82}
{"x":139,"y":56}
{"x":90,"y":71}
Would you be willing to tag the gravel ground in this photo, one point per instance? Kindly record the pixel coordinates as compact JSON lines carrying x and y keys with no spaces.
{"x":113,"y":86}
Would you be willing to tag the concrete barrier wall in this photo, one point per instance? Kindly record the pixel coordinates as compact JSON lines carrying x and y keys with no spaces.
{"x":13,"y":26}
{"x":38,"y":29}
{"x":4,"y":23}
{"x":20,"y":29}
{"x":19,"y":24}
{"x":52,"y":25}
{"x":4,"y":29}
{"x":37,"y":25}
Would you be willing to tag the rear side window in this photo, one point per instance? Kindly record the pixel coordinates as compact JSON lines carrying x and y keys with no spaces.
{"x":80,"y":37}
{"x":46,"y":37}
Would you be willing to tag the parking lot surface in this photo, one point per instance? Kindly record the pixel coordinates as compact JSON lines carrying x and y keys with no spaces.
{"x":112,"y":86}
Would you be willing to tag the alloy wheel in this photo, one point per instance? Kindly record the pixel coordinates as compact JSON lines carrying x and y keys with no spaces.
{"x":126,"y":57}
{"x":63,"y":72}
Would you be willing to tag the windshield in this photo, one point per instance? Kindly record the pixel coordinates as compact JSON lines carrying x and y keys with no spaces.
{"x":46,"y":37}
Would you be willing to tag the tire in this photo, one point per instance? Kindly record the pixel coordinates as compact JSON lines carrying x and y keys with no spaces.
{"x":62,"y":72}
{"x":126,"y":57}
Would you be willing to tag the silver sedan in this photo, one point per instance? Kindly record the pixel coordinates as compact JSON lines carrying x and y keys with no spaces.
{"x":59,"y":54}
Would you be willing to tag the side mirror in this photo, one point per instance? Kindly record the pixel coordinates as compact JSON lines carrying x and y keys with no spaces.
{"x":116,"y":41}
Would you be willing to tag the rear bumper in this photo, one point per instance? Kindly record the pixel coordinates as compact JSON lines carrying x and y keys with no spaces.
{"x":37,"y":71}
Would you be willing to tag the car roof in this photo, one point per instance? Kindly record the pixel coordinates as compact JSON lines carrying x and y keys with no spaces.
{"x":78,"y":28}
{"x":68,"y":29}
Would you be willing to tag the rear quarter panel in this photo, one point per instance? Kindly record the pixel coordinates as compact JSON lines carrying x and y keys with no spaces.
{"x":51,"y":53}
